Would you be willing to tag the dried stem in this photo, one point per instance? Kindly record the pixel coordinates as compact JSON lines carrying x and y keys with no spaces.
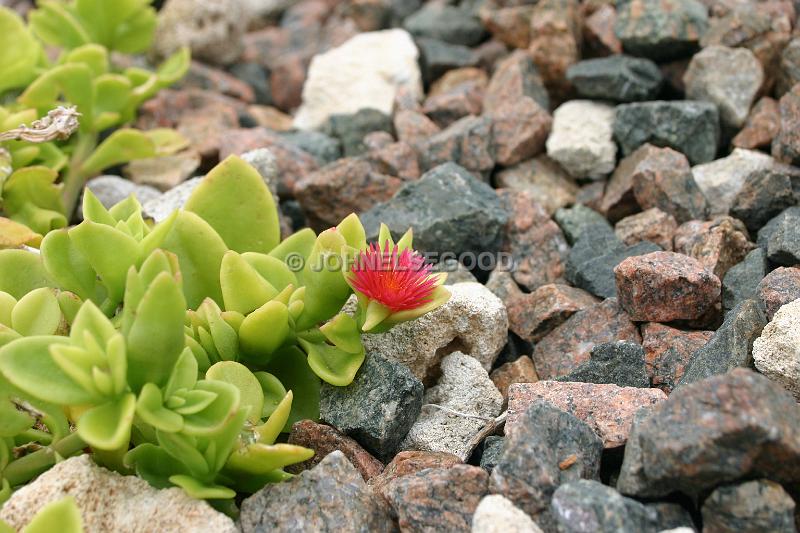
{"x":58,"y":124}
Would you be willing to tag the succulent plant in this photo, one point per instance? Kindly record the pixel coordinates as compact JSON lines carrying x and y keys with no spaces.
{"x":60,"y":515}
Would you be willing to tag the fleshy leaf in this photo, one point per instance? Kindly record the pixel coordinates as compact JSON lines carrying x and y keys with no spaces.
{"x":21,"y":272}
{"x":108,"y":426}
{"x":37,"y":313}
{"x":238,"y":375}
{"x":61,"y":515}
{"x":264,"y":331}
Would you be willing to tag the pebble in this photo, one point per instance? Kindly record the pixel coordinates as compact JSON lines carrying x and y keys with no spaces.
{"x":781,"y":237}
{"x":451,"y":24}
{"x":464,"y":387}
{"x":163,"y":172}
{"x":598,"y":32}
{"x":438,"y":57}
{"x":519,"y":129}
{"x":668,"y":350}
{"x":446,"y":107}
{"x":619,"y":363}
{"x":576,"y":219}
{"x":776,"y":353}
{"x":509,"y":24}
{"x":492,"y":451}
{"x":752,"y":506}
{"x":160,"y":207}
{"x":660,"y":29}
{"x":468,"y":142}
{"x":764,"y":195}
{"x":718,"y":244}
{"x":351,"y":128}
{"x":514,"y":77}
{"x":324,"y":148}
{"x":762,"y":125}
{"x":378,"y":408}
{"x":410,"y":462}
{"x":581,"y":139}
{"x":496,"y":514}
{"x":108,"y":501}
{"x":413,"y":127}
{"x":543,"y":178}
{"x":742,"y":279}
{"x":520,"y":370}
{"x":606,"y":408}
{"x":722,"y":179}
{"x":652,"y":225}
{"x":778,"y":288}
{"x":618,"y":78}
{"x":533,"y":315}
{"x":555,"y":43}
{"x":728,"y":427}
{"x":786,"y":144}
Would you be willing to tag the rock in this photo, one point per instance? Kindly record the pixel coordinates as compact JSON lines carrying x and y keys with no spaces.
{"x":464,"y":387}
{"x":665,"y":286}
{"x":502,"y":285}
{"x":778,"y":288}
{"x":727,"y":77}
{"x":789,"y":67}
{"x":581,"y":139}
{"x":213,"y":31}
{"x":473,"y":221}
{"x":163,"y":172}
{"x":776,"y":353}
{"x":378,"y":408}
{"x":454,"y":79}
{"x":660,"y":29}
{"x":474,"y":320}
{"x":511,"y":25}
{"x":257,"y":78}
{"x":456,"y":272}
{"x":781,"y":238}
{"x":555,"y":42}
{"x":447,"y":23}
{"x":590,"y":194}
{"x":686,"y":126}
{"x":730,"y":347}
{"x":351,"y":128}
{"x":761,"y":126}
{"x":543,"y":178}
{"x":365,"y":72}
{"x":536,"y":245}
{"x":718,"y":244}
{"x":496,"y":514}
{"x":619,"y":363}
{"x":160,"y":207}
{"x":264,"y":161}
{"x":618,"y":78}
{"x":519,"y":129}
{"x":786,"y":144}
{"x":753,"y":506}
{"x":532,"y":316}
{"x":764,"y":195}
{"x":667,"y":352}
{"x":570,"y":344}
{"x":514,"y":77}
{"x":721,"y":180}
{"x":111,"y":190}
{"x":324,"y":148}
{"x":446,"y":107}
{"x":413,"y":127}
{"x":574,"y":220}
{"x":549,"y":447}
{"x":108,"y":501}
{"x":518,"y":371}
{"x":599,"y":38}
{"x":349,"y":185}
{"x":741,"y":281}
{"x":606,"y":408}
{"x":343,"y":502}
{"x":325,"y":440}
{"x":410,"y":462}
{"x":204,"y":77}
{"x":437,"y":57}
{"x":467,"y":142}
{"x":728,"y":427}
{"x":652,"y":225}
{"x":438,"y":498}
{"x":492,"y":451}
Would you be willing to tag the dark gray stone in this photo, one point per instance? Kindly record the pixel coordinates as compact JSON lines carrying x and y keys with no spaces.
{"x":780,"y":237}
{"x":574,"y":220}
{"x":351,"y":129}
{"x":620,"y":363}
{"x":257,"y":77}
{"x":750,"y":507}
{"x":764,"y":195}
{"x":437,"y":57}
{"x":691,"y":128}
{"x":331,"y":497}
{"x":660,"y":29}
{"x":741,"y":281}
{"x":324,"y":148}
{"x":378,"y":408}
{"x":528,"y":472}
{"x":449,"y":210}
{"x":730,"y":347}
{"x":619,"y":78}
{"x":446,"y":23}
{"x":492,"y":451}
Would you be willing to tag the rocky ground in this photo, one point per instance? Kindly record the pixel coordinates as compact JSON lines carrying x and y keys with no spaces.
{"x":634,"y":159}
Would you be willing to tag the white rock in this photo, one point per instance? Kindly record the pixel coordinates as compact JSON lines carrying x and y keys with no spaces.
{"x":473,"y":321}
{"x":496,"y":514}
{"x":776,"y":352}
{"x":113,"y":189}
{"x":464,"y":387}
{"x":365,"y":72}
{"x":160,"y":208}
{"x":582,"y":139}
{"x":722,"y":179}
{"x":213,"y":30}
{"x":111,"y":502}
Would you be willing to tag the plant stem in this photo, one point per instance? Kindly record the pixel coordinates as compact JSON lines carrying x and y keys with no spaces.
{"x":75,"y":178}
{"x":26,"y":468}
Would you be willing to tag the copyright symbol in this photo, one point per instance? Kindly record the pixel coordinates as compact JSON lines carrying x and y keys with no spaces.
{"x":295,"y":262}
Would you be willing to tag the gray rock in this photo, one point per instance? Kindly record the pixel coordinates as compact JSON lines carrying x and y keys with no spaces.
{"x":741,"y":281}
{"x":450,"y":24}
{"x":689,"y":127}
{"x":351,"y":129}
{"x":378,"y":408}
{"x":574,"y":220}
{"x":111,"y":190}
{"x":342,"y":502}
{"x":660,"y":29}
{"x":749,"y":507}
{"x":492,"y":451}
{"x":456,"y":272}
{"x":764,"y":195}
{"x":730,"y":347}
{"x":581,"y":139}
{"x":722,"y":179}
{"x":618,"y":78}
{"x":437,"y":57}
{"x":529,"y":473}
{"x":780,"y":237}
{"x":467,"y":142}
{"x":464,"y":387}
{"x":620,"y":363}
{"x":324,"y":148}
{"x":496,"y":514}
{"x":473,"y":221}
{"x":162,"y":206}
{"x":257,"y":77}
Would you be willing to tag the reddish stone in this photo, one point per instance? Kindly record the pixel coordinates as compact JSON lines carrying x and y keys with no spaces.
{"x":665,"y":286}
{"x":270,"y":117}
{"x":444,"y":108}
{"x":599,"y":38}
{"x":438,"y":499}
{"x":510,"y":25}
{"x":652,"y":225}
{"x":325,"y":439}
{"x":543,"y":179}
{"x":570,"y":344}
{"x":667,"y":351}
{"x":286,"y":82}
{"x":396,"y":159}
{"x":369,"y":15}
{"x":555,"y":43}
{"x":761,"y":127}
{"x":204,"y":128}
{"x":410,"y":462}
{"x":514,"y":77}
{"x":467,"y":142}
{"x":502,"y":285}
{"x":786,"y":145}
{"x":619,"y":201}
{"x":216,"y":80}
{"x":533,"y":315}
{"x":536,"y":244}
{"x":520,"y":129}
{"x":413,"y":127}
{"x":718,"y":244}
{"x":607,"y":408}
{"x":452,"y":79}
{"x":778,"y":288}
{"x":266,"y":46}
{"x":520,"y":370}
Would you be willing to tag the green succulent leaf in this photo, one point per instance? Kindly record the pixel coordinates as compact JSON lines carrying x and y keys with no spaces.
{"x":31,"y":198}
{"x":72,"y":81}
{"x":243,"y":288}
{"x":108,"y":426}
{"x":261,"y":458}
{"x":272,"y":269}
{"x":264,"y":331}
{"x":54,"y":24}
{"x":12,"y":420}
{"x":21,"y":272}
{"x":219,"y":411}
{"x":37,"y":313}
{"x":250,"y":392}
{"x":154,"y":464}
{"x":67,"y":265}
{"x":123,"y":145}
{"x":92,"y":55}
{"x":61,"y":515}
{"x":150,"y":408}
{"x":197,"y":489}
{"x":269,"y":431}
{"x":332,"y":364}
{"x":19,"y":52}
{"x":290,"y":367}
